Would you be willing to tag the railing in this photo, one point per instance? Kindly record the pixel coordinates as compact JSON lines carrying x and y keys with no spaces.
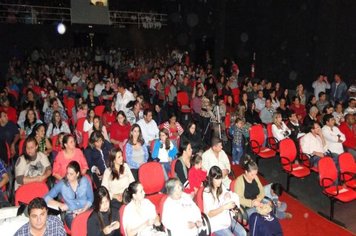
{"x":145,"y":20}
{"x":28,"y":14}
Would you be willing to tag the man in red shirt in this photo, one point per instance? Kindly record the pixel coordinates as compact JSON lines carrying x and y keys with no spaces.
{"x":349,"y":129}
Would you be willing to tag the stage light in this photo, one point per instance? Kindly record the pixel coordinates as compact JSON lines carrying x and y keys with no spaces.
{"x":61,"y":28}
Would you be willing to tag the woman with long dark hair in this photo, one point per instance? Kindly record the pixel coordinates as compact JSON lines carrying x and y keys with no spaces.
{"x":136,"y":152}
{"x":193,"y":136}
{"x":140,"y":214}
{"x":104,"y":220}
{"x":117,"y":177}
{"x":76,"y":192}
{"x":57,"y":126}
{"x":120,"y":130}
{"x":39,"y":133}
{"x":218,"y":202}
{"x":30,"y":122}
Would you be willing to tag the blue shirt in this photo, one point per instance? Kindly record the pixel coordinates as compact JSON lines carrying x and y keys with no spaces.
{"x":82,"y":197}
{"x":54,"y":227}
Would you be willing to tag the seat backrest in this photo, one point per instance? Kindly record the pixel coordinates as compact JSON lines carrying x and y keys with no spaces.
{"x":288,"y":150}
{"x":69,"y":104}
{"x":99,"y":110}
{"x":199,"y":199}
{"x":257,"y":134}
{"x":25,"y":193}
{"x":79,"y":224}
{"x":173,"y":167}
{"x":121,"y":214}
{"x":327,"y":172}
{"x":80,"y":124}
{"x":21,"y":147}
{"x":269,"y":130}
{"x":347,"y":163}
{"x":161,"y":205}
{"x":232,"y":185}
{"x":151,"y":176}
{"x":182,"y":98}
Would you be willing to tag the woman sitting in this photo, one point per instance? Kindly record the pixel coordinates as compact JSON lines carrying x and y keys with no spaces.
{"x":174,"y":129}
{"x":104,"y":220}
{"x":120,"y":130}
{"x":280,"y":130}
{"x":140,"y":214}
{"x":57,"y":126}
{"x":98,"y":126}
{"x":164,"y":150}
{"x":135,"y":151}
{"x":76,"y":192}
{"x":109,"y":115}
{"x":117,"y":177}
{"x":249,"y":187}
{"x":97,"y":155}
{"x":30,"y":122}
{"x":68,"y":154}
{"x":218,"y":202}
{"x":183,"y":164}
{"x":180,"y":214}
{"x":44,"y":144}
{"x":192,"y":135}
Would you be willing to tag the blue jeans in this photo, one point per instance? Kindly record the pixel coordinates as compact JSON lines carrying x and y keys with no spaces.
{"x":235,"y":230}
{"x":237,"y":152}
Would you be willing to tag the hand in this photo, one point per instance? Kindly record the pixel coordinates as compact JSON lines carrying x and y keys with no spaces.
{"x":225,"y":172}
{"x":63,"y":207}
{"x":256,"y":203}
{"x":12,"y":150}
{"x":229,"y":205}
{"x":119,"y":197}
{"x":108,"y":229}
{"x":191,"y":224}
{"x":199,"y":223}
{"x":115,"y":225}
{"x":150,"y":222}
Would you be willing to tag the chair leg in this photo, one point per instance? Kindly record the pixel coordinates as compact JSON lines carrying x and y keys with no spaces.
{"x":332,"y":201}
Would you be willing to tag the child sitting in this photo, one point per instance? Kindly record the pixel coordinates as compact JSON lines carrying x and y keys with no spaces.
{"x":196,"y":174}
{"x":238,"y":130}
{"x":274,"y":191}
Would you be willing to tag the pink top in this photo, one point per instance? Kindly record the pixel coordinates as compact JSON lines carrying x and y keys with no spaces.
{"x":61,"y":162}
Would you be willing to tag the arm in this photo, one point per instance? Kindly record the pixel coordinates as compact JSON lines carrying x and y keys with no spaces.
{"x":239,"y":190}
{"x":53,"y":193}
{"x":4,"y":180}
{"x":172,"y":153}
{"x":180,"y":172}
{"x":261,"y":195}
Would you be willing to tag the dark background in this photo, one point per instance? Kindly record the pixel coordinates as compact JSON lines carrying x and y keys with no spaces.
{"x":293,"y":40}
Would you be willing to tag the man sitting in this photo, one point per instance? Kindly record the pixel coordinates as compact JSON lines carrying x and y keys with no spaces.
{"x":216,"y":156}
{"x":313,"y":144}
{"x":40,"y":223}
{"x":348,"y":128}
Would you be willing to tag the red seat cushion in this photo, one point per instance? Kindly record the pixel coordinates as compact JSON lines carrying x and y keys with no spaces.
{"x":266,"y":152}
{"x":300,"y":171}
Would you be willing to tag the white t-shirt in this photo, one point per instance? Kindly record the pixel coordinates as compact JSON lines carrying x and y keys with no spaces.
{"x":134,"y":217}
{"x":222,"y":220}
{"x":177,"y":213}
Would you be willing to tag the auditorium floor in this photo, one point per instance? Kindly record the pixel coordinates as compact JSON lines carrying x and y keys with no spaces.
{"x":308,"y":191}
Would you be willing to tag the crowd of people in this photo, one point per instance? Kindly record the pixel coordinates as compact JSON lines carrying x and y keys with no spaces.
{"x":95,"y":165}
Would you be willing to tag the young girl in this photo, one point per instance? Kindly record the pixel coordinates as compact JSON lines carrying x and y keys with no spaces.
{"x":165,"y":150}
{"x":196,"y":174}
{"x":238,"y":131}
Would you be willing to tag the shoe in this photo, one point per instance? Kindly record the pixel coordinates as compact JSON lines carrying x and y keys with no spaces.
{"x":289,"y":215}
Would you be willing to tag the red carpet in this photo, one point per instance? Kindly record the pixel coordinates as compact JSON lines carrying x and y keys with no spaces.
{"x":305,"y":221}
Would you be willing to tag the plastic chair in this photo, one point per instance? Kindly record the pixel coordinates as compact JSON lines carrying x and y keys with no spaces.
{"x":172,"y":174}
{"x":79,"y":130}
{"x":151,"y":176}
{"x":121,"y":214}
{"x":21,"y":147}
{"x":257,"y":138}
{"x":347,"y":169}
{"x":79,"y":224}
{"x":288,"y":154}
{"x":99,"y":110}
{"x":183,"y":102}
{"x":271,"y":140}
{"x":328,"y":180}
{"x":25,"y":193}
{"x":69,"y":104}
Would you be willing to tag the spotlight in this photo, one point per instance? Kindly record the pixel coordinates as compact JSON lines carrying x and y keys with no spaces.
{"x":61,"y":28}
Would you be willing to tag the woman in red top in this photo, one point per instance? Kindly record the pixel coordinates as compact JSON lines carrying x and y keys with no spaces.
{"x":298,"y":108}
{"x":174,"y":128}
{"x":109,"y":115}
{"x":120,"y":130}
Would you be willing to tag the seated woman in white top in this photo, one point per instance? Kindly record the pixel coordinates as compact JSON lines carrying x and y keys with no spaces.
{"x":180,"y":214}
{"x":280,"y":130}
{"x":117,"y":177}
{"x":140,"y":214}
{"x":218,"y":202}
